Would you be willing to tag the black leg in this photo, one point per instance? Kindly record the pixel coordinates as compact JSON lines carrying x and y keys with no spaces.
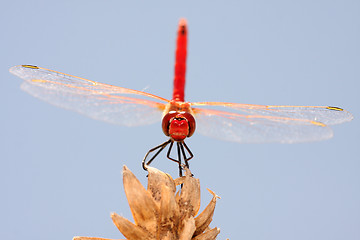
{"x":178,"y":161}
{"x":186,"y":159}
{"x":182,"y":152}
{"x":161,"y":146}
{"x":189,"y":152}
{"x":179,"y":157}
{"x":181,"y":147}
{"x":169,"y":152}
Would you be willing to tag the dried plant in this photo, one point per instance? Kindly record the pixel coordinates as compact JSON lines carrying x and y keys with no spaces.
{"x":162,"y":212}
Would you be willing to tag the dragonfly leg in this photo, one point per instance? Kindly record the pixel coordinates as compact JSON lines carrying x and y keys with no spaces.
{"x":179,"y":157}
{"x":186,"y":159}
{"x":182,"y":151}
{"x":160,"y":147}
{"x":173,"y":159}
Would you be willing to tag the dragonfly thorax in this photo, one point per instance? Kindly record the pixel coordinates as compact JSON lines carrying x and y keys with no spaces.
{"x":178,"y":125}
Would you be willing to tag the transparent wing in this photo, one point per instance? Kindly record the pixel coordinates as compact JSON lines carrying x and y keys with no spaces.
{"x":100,"y":101}
{"x":324,"y":114}
{"x":247,"y":123}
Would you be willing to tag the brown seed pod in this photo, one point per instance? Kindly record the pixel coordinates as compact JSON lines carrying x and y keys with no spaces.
{"x":162,"y":212}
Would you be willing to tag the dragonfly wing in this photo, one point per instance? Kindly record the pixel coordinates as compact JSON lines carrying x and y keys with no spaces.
{"x":323,"y":114}
{"x":249,"y":128}
{"x":100,"y":101}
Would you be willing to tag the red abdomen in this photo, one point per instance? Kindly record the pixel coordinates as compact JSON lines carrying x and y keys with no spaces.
{"x":180,"y":62}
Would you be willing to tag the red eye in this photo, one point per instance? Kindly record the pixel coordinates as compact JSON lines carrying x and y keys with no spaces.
{"x":191,"y":122}
{"x":166,"y":122}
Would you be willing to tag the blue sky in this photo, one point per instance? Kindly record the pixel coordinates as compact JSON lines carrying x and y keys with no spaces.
{"x":61,"y":172}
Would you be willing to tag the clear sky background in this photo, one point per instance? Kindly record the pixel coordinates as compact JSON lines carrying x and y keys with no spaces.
{"x":60,"y":172}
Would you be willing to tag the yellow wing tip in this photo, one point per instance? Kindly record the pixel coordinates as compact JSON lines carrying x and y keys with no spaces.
{"x":38,"y":80}
{"x":334,"y":108}
{"x":318,"y":123}
{"x":30,"y":66}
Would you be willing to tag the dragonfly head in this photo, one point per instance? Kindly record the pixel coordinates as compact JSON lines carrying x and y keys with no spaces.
{"x":178,"y":125}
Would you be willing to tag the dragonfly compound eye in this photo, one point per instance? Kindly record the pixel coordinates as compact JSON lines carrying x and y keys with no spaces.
{"x":191,"y":121}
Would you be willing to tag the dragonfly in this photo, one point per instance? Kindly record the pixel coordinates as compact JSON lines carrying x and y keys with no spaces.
{"x":242,"y":123}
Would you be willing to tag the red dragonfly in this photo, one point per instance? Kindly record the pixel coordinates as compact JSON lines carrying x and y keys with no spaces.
{"x":243,"y":123}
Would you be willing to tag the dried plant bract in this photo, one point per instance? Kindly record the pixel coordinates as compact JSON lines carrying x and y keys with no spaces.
{"x":162,"y":212}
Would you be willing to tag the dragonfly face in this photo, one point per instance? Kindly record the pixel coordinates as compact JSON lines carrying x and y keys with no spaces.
{"x":178,"y":125}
